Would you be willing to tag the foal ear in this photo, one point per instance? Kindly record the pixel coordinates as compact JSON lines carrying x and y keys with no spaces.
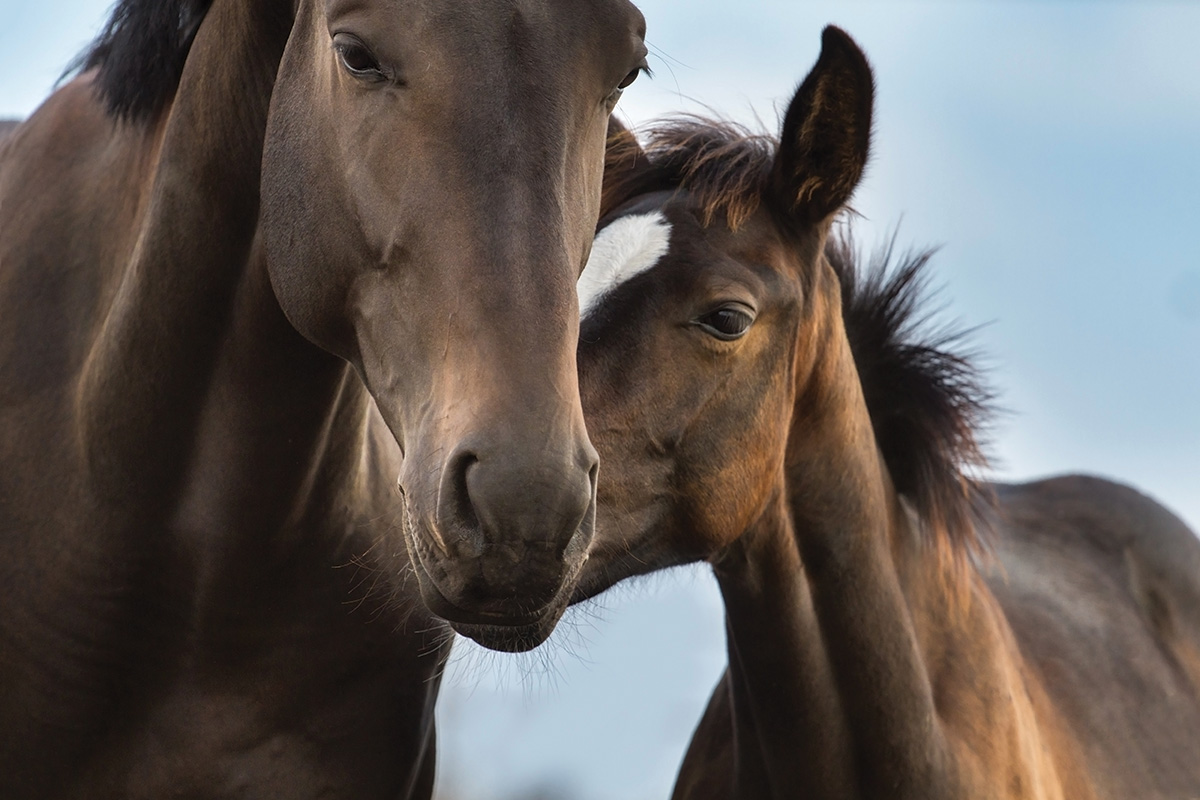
{"x":826,"y":132}
{"x":624,"y":162}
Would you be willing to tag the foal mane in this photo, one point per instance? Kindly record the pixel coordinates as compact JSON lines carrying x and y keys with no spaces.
{"x":928,"y":401}
{"x":140,"y":54}
{"x":725,"y":166}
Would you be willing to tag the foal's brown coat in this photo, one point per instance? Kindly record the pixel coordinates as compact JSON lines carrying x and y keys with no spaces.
{"x":872,"y":652}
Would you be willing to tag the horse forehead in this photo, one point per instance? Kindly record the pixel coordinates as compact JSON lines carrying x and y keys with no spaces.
{"x":572,"y":32}
{"x":535,"y":34}
{"x":625,"y":248}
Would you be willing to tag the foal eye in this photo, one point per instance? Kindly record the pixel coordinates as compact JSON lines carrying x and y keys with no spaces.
{"x":726,"y":323}
{"x":357,"y":58}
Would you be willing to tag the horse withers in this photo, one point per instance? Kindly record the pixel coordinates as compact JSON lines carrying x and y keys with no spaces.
{"x":260,"y":259}
{"x":762,"y":405}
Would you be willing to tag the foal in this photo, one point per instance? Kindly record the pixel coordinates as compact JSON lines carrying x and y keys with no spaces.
{"x":765,"y":411}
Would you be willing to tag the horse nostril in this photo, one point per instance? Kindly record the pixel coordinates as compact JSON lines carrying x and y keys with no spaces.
{"x":456,"y":512}
{"x":510,"y":502}
{"x":576,"y":546}
{"x":593,"y":459}
{"x":512,"y":526}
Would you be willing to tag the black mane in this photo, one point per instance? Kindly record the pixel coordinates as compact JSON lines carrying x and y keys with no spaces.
{"x":928,"y":400}
{"x":140,"y":54}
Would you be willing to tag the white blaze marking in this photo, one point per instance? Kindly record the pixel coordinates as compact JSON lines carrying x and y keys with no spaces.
{"x":626,"y":248}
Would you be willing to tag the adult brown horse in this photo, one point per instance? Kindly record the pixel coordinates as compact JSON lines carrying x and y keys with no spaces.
{"x":259,"y":259}
{"x":765,"y":409}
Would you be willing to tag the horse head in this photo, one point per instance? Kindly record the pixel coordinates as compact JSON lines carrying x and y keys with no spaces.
{"x":431,"y":180}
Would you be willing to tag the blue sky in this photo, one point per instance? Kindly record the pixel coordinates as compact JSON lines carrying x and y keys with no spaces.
{"x":1051,"y":149}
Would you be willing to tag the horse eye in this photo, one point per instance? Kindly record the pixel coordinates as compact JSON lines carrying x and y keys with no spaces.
{"x":356,"y":58}
{"x":631,"y":77}
{"x":628,"y":79}
{"x":726,"y":323}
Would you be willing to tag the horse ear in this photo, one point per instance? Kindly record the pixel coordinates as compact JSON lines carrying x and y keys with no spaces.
{"x":624,"y":162}
{"x":826,"y":132}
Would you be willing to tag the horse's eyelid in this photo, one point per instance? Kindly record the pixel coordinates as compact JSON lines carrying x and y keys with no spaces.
{"x":351,"y":41}
{"x":741,"y":306}
{"x":379,"y":72}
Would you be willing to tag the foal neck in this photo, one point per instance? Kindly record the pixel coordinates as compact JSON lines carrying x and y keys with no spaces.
{"x":826,"y":608}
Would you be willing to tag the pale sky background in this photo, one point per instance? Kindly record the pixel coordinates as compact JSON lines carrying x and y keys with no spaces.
{"x":1052,"y":148}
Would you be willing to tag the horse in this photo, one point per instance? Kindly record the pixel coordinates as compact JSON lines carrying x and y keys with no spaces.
{"x":287,"y":382}
{"x":896,"y":627}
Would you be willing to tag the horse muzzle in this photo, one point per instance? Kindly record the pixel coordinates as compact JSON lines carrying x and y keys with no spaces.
{"x":500,"y":556}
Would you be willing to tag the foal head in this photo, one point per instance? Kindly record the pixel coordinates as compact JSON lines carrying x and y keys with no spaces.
{"x":721,"y":328}
{"x":707,"y":306}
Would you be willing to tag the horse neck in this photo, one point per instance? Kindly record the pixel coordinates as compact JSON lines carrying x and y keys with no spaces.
{"x":145,"y":378}
{"x":829,"y":600}
{"x":289,"y":472}
{"x":283,"y":437}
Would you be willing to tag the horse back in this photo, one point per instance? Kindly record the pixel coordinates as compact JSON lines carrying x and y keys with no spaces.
{"x":1101,"y":586}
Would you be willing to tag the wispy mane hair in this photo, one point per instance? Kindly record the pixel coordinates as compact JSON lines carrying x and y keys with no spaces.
{"x":724,"y":165}
{"x":139,"y":55}
{"x":928,"y":400}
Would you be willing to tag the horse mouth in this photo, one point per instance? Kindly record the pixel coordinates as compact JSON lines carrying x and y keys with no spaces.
{"x":506,"y":626}
{"x":510,"y":638}
{"x":506,"y":631}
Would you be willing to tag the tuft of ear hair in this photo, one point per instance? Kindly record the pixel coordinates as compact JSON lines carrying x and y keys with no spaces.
{"x":826,"y":133}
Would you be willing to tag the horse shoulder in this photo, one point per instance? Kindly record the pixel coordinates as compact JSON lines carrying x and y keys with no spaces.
{"x":1001,"y":738}
{"x":1100,"y":586}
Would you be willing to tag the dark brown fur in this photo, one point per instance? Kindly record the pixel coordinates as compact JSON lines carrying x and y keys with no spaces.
{"x":264,"y":315}
{"x":723,"y":165}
